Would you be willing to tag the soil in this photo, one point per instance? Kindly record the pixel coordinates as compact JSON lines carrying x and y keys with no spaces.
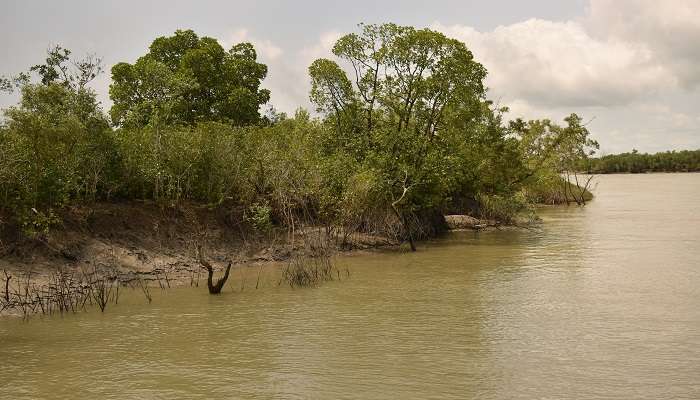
{"x":148,"y":239}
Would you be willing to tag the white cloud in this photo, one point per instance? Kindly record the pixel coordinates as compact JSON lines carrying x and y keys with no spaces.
{"x":670,"y":29}
{"x":560,"y":64}
{"x":267,"y":50}
{"x":287,"y":78}
{"x":665,"y":115}
{"x":619,"y":52}
{"x":321,"y":49}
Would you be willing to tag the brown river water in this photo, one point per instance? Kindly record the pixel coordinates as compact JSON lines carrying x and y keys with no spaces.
{"x":599,"y":302}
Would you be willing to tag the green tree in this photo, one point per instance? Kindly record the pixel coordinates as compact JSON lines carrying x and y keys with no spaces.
{"x":185,"y":79}
{"x":57,"y":139}
{"x":392,"y":116}
{"x":636,"y":162}
{"x":549,"y":151}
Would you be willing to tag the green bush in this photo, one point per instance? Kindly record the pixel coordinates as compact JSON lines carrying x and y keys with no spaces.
{"x":504,"y":208}
{"x":260,"y":217}
{"x":37,"y":224}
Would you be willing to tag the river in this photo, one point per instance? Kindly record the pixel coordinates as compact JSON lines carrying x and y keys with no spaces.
{"x":599,"y":302}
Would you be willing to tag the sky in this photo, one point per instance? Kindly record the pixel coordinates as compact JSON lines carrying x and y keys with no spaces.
{"x":630,"y":68}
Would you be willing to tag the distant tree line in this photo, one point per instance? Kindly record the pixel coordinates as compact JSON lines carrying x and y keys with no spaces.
{"x":405,"y":133}
{"x":636,"y":162}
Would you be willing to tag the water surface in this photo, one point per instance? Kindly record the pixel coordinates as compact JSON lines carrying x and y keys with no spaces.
{"x":601,"y":302}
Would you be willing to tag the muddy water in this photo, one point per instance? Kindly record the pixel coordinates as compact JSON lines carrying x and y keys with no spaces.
{"x":601,"y":302}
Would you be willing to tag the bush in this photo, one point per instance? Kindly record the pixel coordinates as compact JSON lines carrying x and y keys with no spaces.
{"x":56,"y":149}
{"x":503,"y":208}
{"x":259,"y":215}
{"x":36,"y":224}
{"x":554,"y":190}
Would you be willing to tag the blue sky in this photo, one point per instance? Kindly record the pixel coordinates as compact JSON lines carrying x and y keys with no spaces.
{"x":628,"y":66}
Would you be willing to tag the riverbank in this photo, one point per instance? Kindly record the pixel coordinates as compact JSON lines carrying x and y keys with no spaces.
{"x":146,"y":238}
{"x":145,"y":242}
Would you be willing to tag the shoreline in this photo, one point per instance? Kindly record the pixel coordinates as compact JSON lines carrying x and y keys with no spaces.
{"x":145,"y":245}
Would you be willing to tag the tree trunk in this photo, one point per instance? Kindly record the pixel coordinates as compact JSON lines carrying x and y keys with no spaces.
{"x":7,"y":286}
{"x":410,"y":235}
{"x":402,"y":218}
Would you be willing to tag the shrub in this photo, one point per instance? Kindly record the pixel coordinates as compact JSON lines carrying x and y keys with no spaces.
{"x":259,"y":216}
{"x":503,"y":208}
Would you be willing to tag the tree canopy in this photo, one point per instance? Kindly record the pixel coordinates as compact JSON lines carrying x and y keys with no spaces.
{"x":185,"y":79}
{"x":403,"y":79}
{"x":54,"y":144}
{"x":391,"y":113}
{"x":636,"y":162}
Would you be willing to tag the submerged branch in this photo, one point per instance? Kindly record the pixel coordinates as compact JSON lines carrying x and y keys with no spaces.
{"x":214,"y":288}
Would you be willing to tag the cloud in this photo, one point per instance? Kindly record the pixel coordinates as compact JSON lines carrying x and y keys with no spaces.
{"x":669,"y":29}
{"x":620,"y":51}
{"x":267,"y":50}
{"x":287,"y":79}
{"x":322,"y":48}
{"x":559,"y":64}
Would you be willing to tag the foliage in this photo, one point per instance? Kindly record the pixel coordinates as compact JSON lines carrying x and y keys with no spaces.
{"x":185,"y":79}
{"x":548,"y":148}
{"x":503,"y":208}
{"x":39,"y":223}
{"x":553,"y":189}
{"x":406,"y":134}
{"x":635,"y":162}
{"x":304,"y":271}
{"x":260,"y":217}
{"x":393,"y":118}
{"x":551,"y":155}
{"x":56,"y":143}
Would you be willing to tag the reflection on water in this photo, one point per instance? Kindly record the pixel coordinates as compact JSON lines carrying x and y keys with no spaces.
{"x":599,"y":302}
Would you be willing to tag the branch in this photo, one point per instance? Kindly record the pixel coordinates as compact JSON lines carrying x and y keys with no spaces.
{"x":213,"y":288}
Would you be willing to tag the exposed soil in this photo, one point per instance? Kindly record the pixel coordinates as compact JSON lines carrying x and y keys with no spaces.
{"x":147,"y":239}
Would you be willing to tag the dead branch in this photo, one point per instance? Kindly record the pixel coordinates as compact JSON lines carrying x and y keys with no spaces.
{"x":213,"y":288}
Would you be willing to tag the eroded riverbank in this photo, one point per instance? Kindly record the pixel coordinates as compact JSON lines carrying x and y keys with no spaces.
{"x":144,"y":247}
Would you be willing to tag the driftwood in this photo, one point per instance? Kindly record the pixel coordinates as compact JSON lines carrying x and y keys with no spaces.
{"x":213,"y":288}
